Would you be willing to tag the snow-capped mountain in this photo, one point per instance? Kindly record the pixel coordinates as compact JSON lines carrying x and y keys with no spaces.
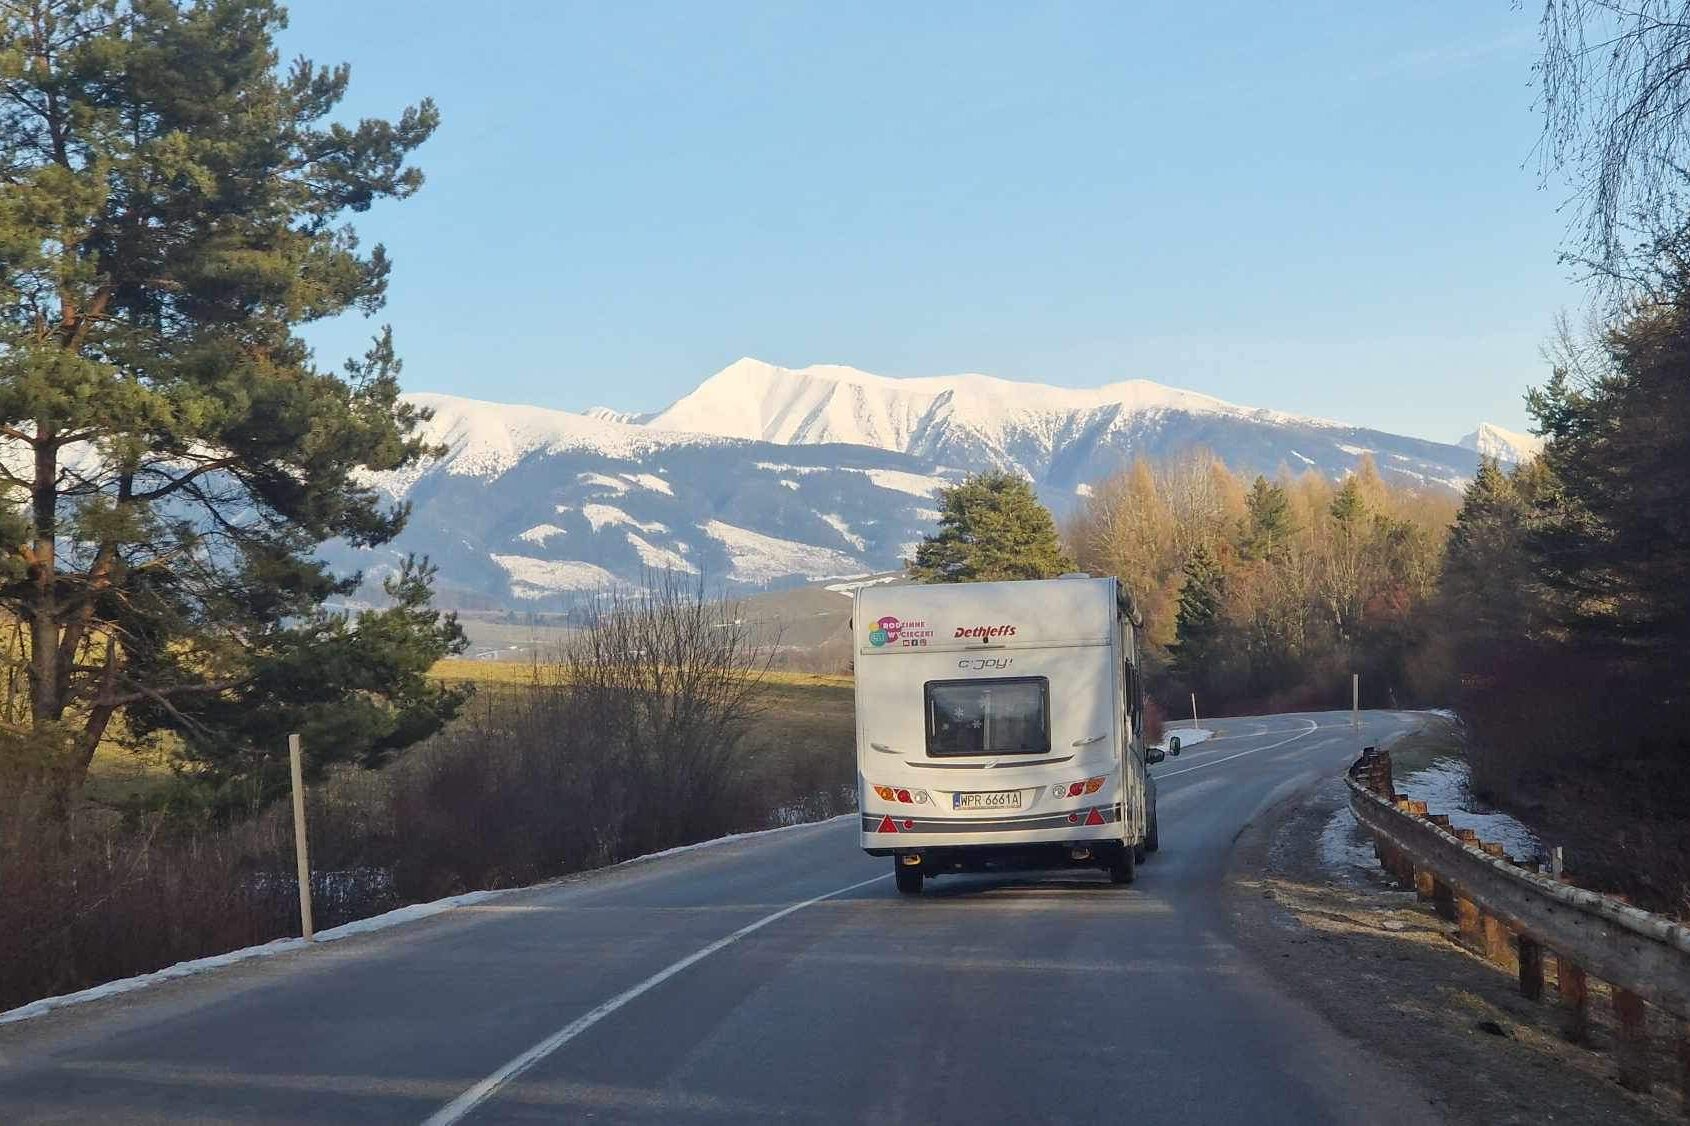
{"x":1060,"y":437}
{"x":1507,"y":446}
{"x":766,"y":476}
{"x":530,"y":506}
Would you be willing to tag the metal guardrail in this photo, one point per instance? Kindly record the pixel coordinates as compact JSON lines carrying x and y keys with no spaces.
{"x":1516,"y":915}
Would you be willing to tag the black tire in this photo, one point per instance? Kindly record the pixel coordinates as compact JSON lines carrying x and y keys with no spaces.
{"x":909,"y":879}
{"x":1140,"y":852}
{"x":1125,"y":867}
{"x":1153,"y":839}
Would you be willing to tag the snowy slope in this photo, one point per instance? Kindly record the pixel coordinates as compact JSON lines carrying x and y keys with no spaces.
{"x":833,"y":403}
{"x":1060,"y":437}
{"x":1507,"y":446}
{"x":539,"y":508}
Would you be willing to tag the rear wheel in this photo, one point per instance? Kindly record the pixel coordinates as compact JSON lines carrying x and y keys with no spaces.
{"x":909,"y":879}
{"x":1153,"y":839}
{"x":1125,"y":866}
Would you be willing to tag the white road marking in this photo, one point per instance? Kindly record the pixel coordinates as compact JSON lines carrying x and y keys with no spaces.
{"x":458,"y":1108}
{"x":1310,"y":730}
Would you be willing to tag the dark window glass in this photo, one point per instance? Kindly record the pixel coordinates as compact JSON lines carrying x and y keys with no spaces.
{"x":1010,"y":716}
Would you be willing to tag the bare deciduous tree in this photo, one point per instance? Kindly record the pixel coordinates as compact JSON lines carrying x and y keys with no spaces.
{"x":1614,"y":81}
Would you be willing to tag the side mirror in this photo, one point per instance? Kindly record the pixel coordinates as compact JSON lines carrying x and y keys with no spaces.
{"x":1153,"y":755}
{"x":1173,"y":745}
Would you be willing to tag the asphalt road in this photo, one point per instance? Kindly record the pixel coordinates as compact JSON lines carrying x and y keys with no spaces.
{"x":707,"y":987}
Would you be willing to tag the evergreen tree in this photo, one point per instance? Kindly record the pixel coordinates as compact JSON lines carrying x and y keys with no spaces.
{"x":171,"y":212}
{"x":1486,"y":577}
{"x":1200,"y":626}
{"x":1269,"y":527}
{"x":991,"y":527}
{"x":1613,"y":539}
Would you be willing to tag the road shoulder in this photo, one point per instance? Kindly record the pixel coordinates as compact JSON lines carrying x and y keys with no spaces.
{"x":1380,"y":967}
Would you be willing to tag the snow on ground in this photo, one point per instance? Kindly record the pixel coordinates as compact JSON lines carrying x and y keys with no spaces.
{"x":650,"y":481}
{"x":540,"y":533}
{"x":782,"y":467}
{"x":1188,"y":736}
{"x":600,"y":515}
{"x":793,"y":485}
{"x":915,"y":484}
{"x":931,"y":515}
{"x":537,"y":578}
{"x":1344,"y":844}
{"x":838,"y":524}
{"x":660,"y":558}
{"x":1082,"y":490}
{"x":1445,"y":786}
{"x":850,"y":587}
{"x":754,"y":557}
{"x":1356,"y":451}
{"x":394,"y":918}
{"x":599,"y":480}
{"x":1302,"y":458}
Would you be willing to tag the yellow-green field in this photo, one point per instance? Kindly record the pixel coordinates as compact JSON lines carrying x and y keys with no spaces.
{"x":793,"y":708}
{"x":523,"y":672}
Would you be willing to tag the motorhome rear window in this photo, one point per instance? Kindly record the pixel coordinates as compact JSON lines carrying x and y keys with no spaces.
{"x":1005,"y":716}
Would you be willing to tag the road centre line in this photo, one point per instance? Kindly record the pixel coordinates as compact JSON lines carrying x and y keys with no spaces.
{"x":458,"y":1108}
{"x":1310,"y":730}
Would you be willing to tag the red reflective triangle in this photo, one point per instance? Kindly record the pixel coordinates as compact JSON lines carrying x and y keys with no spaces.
{"x":1094,"y":818}
{"x":887,"y":826}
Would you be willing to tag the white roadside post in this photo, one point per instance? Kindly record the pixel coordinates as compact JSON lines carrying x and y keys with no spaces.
{"x":1194,"y":711}
{"x":1355,"y":700}
{"x":299,"y":850}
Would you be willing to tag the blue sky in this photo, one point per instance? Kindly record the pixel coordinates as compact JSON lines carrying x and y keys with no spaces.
{"x":1317,"y":206}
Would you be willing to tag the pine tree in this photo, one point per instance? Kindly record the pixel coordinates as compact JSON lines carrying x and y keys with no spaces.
{"x":1486,"y":573}
{"x":1200,"y":627}
{"x":172,"y":208}
{"x":991,"y":527}
{"x":1267,"y":533}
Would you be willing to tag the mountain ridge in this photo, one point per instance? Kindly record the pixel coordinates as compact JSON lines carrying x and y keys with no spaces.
{"x":765,"y":477}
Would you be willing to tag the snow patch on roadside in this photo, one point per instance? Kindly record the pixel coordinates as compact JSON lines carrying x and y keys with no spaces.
{"x":1445,"y":786}
{"x":1344,"y":845}
{"x":1188,"y":736}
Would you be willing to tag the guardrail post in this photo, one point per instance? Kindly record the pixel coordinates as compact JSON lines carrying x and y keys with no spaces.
{"x":1425,"y":884}
{"x":1443,"y":900}
{"x":1467,"y":919}
{"x":1531,"y":968}
{"x":1499,"y":945}
{"x":1574,"y":989}
{"x":1634,"y":1039}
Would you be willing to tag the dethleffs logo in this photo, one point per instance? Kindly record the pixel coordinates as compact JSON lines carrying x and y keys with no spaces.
{"x":985,"y":633}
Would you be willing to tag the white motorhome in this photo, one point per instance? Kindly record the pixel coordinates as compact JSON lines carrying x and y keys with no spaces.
{"x":998,"y":727}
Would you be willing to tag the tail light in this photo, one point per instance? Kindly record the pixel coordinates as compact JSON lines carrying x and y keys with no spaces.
{"x":901,"y":795}
{"x":1077,"y":789}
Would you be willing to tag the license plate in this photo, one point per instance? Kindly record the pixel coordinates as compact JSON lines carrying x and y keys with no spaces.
{"x":994,"y":799}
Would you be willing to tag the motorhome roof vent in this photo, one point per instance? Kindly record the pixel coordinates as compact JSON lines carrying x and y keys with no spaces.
{"x":1076,"y":575}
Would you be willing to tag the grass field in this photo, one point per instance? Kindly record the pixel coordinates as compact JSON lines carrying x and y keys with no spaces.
{"x":795,"y":710}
